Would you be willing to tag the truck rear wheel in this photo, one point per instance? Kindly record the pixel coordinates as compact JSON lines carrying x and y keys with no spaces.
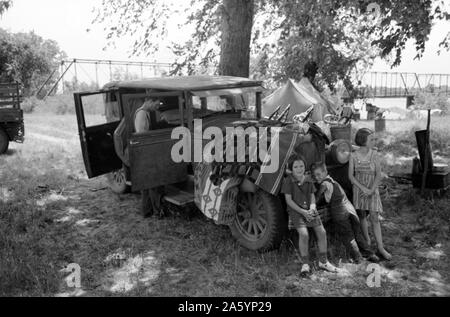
{"x":118,"y":182}
{"x":4,"y":141}
{"x":260,"y":222}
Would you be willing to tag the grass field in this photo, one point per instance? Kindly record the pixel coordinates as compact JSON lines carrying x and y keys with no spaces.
{"x":51,"y":215}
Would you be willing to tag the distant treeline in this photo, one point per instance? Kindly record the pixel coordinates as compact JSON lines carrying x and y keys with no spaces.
{"x":28,"y":59}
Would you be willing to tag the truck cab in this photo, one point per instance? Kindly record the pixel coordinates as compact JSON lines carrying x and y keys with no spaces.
{"x":239,"y":194}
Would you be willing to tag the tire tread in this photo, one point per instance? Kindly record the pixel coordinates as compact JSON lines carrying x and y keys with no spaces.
{"x":276,"y":232}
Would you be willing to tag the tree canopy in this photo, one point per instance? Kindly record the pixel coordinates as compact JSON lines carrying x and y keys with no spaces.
{"x":4,"y":5}
{"x":27,"y":58}
{"x":335,"y":37}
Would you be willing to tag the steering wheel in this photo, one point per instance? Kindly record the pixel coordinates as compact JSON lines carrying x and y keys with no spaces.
{"x":331,"y":119}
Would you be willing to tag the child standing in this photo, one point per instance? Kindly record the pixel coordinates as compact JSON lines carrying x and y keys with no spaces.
{"x":365,"y":175}
{"x":299,"y":193}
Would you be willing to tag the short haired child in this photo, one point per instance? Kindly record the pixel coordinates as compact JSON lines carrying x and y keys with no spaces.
{"x":343,"y":214}
{"x":301,"y":205}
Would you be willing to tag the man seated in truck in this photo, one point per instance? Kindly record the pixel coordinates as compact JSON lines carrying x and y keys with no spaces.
{"x":146,"y":118}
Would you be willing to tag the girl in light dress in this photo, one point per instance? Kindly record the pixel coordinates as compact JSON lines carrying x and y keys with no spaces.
{"x":365,"y":175}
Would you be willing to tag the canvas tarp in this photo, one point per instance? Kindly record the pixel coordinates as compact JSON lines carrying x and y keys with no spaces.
{"x":301,"y":96}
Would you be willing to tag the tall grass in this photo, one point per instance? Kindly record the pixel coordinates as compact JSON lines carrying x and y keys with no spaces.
{"x":403,"y":133}
{"x":63,"y":104}
{"x":32,"y":244}
{"x":194,"y":256}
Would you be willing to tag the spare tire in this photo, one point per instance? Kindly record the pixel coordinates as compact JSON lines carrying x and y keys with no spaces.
{"x":340,"y":152}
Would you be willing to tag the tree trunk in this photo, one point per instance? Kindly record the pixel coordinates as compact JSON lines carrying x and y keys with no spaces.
{"x":237,"y":23}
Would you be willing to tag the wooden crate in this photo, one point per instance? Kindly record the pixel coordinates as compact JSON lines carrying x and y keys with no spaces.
{"x":434,"y":180}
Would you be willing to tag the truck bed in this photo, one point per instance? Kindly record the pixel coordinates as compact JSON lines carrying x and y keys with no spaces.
{"x":11,"y":121}
{"x":10,"y":115}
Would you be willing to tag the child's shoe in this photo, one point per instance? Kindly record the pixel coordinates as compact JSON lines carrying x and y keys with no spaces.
{"x":356,"y":257}
{"x":328,"y":267}
{"x":384,"y":255}
{"x":305,"y":271}
{"x":373,"y":258}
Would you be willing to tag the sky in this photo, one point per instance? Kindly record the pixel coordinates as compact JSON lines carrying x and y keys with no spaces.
{"x":66,"y":21}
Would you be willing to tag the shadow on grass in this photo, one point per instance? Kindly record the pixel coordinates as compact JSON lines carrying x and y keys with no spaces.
{"x":10,"y":152}
{"x":45,"y":228}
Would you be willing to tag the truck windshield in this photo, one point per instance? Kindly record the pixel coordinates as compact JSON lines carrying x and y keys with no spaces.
{"x":224,"y":103}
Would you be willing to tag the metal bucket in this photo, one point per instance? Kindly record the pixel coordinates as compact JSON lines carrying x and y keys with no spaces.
{"x":380,"y":125}
{"x":341,"y":132}
{"x":371,"y":116}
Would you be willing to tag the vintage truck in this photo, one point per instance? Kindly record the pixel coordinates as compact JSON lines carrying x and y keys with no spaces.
{"x":241,"y":194}
{"x":11,"y":116}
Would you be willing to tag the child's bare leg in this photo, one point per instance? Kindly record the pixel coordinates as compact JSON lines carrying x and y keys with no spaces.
{"x":365,"y":229}
{"x":375,"y":218}
{"x":321,"y":235}
{"x":303,"y":244}
{"x":324,"y":264}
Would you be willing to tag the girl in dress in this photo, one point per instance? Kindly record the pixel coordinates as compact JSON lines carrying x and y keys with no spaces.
{"x":301,"y":204}
{"x":365,"y":175}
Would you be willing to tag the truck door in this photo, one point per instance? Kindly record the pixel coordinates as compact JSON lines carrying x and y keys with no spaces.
{"x":96,"y":132}
{"x":151,"y":162}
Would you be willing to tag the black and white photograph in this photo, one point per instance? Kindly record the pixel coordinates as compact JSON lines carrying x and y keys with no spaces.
{"x":224,"y":154}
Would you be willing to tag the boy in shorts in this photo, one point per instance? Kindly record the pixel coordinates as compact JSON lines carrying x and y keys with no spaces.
{"x":343,"y":215}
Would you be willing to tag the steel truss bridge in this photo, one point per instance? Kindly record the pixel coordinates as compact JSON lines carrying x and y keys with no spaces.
{"x":397,"y":85}
{"x":98,"y":72}
{"x":371,"y":85}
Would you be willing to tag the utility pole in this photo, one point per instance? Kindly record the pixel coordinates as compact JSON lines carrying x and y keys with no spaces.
{"x":96,"y":75}
{"x":62,"y":78}
{"x":76,"y":74}
{"x":110,"y":71}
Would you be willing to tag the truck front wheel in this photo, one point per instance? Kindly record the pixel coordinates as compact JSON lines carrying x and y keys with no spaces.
{"x":260,"y":222}
{"x":4,"y":141}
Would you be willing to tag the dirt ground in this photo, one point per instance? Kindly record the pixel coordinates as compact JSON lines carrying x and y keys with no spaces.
{"x":51,"y":215}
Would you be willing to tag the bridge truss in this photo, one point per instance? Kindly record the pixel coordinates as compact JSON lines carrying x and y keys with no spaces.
{"x":394,"y":84}
{"x":98,"y":72}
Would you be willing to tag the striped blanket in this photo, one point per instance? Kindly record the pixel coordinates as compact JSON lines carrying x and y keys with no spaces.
{"x":290,"y":142}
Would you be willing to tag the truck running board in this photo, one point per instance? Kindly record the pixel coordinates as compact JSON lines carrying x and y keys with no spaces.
{"x":178,"y":197}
